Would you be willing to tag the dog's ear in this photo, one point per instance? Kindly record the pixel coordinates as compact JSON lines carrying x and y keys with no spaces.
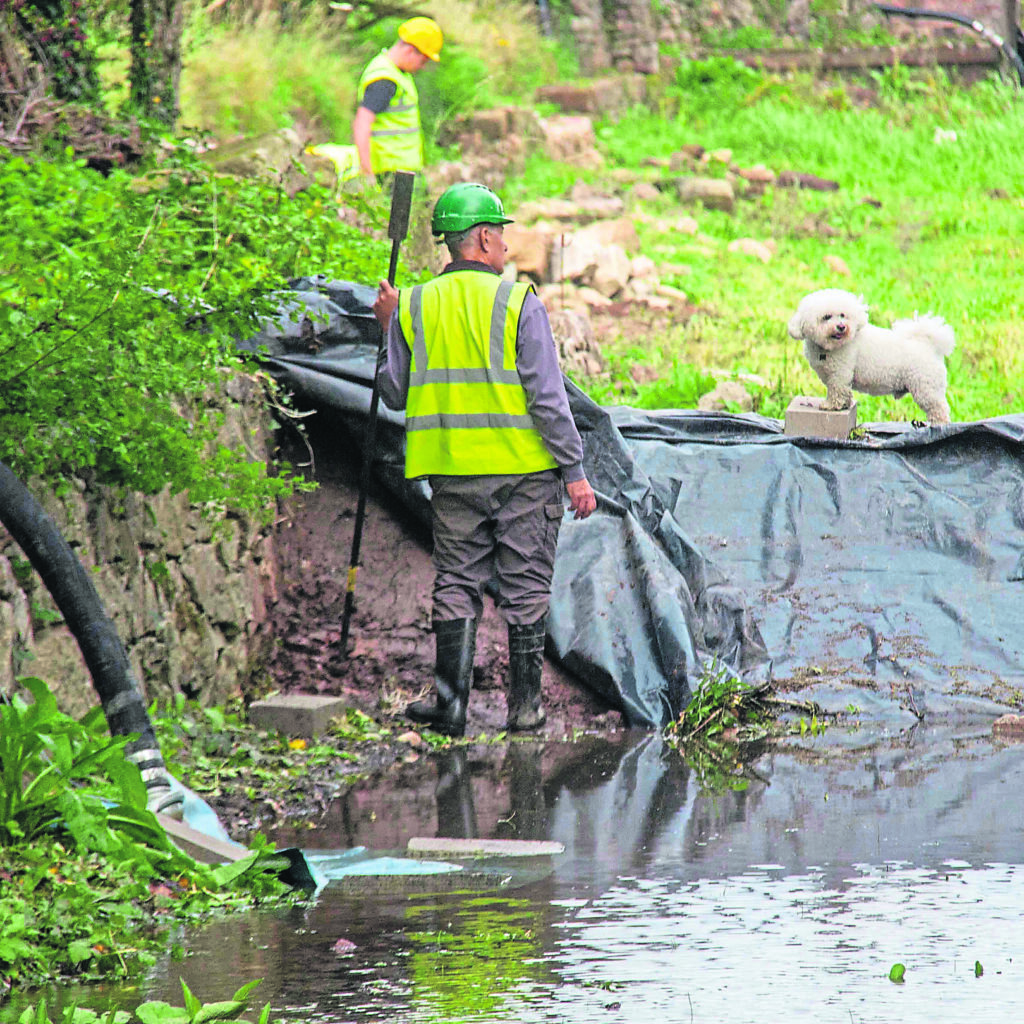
{"x":796,"y":326}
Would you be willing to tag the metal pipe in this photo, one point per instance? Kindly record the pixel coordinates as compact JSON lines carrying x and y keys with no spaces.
{"x":105,"y":657}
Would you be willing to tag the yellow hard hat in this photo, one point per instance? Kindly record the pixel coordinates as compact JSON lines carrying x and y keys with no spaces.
{"x":424,"y":34}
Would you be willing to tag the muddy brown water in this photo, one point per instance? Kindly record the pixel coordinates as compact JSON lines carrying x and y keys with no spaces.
{"x":789,"y":901}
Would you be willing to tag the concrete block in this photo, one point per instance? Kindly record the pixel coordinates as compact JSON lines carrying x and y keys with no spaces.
{"x":806,"y":418}
{"x":364,"y":886}
{"x":296,"y":714}
{"x":420,"y":846}
{"x":198,"y":845}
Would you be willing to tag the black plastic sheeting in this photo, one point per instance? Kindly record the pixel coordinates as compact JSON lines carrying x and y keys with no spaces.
{"x":882,"y":577}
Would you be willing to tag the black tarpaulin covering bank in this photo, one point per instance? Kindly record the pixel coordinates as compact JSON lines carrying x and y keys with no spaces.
{"x":884,"y":574}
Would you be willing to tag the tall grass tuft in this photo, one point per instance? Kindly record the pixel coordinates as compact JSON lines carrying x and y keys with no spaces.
{"x":253,"y":75}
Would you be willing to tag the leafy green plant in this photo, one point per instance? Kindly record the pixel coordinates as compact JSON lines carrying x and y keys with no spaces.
{"x":718,"y":79}
{"x":354,"y":725}
{"x":156,"y":1011}
{"x":88,"y":873}
{"x":120,"y":303}
{"x":722,"y":716}
{"x":745,"y":37}
{"x":44,"y":755}
{"x":215,"y":750}
{"x":720,"y":702}
{"x":707,"y":732}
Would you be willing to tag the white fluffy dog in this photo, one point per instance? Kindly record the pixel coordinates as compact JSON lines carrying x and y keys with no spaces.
{"x":849,"y":354}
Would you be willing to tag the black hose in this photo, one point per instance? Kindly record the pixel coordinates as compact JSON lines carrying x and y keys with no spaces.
{"x":80,"y":605}
{"x":1014,"y":54}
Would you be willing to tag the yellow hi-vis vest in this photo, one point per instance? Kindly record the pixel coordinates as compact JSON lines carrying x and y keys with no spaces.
{"x":466,"y":412}
{"x":396,"y":141}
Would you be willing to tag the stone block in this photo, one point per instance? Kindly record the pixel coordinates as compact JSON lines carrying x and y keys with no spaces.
{"x":806,"y":418}
{"x":1009,"y":726}
{"x":296,"y":714}
{"x":603,"y":95}
{"x":198,"y":845}
{"x":528,"y":249}
{"x":420,"y":846}
{"x":712,"y":193}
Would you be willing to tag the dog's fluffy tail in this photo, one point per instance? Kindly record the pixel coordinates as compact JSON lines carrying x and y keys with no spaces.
{"x":929,"y":328}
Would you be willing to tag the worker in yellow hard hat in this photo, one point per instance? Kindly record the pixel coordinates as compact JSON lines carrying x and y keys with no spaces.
{"x":386,"y":129}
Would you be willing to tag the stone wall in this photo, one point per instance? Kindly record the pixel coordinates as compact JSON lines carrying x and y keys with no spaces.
{"x":625,"y":34}
{"x":185,"y":592}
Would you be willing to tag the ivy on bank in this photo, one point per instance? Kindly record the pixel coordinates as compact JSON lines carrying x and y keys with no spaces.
{"x":121,"y":299}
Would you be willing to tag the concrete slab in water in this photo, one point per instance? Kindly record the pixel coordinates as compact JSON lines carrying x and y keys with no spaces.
{"x":420,"y":846}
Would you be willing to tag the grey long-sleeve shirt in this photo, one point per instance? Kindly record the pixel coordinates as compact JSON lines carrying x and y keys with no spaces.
{"x":537,"y":363}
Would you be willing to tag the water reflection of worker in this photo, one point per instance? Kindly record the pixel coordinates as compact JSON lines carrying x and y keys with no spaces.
{"x":527,"y":815}
{"x":456,"y":813}
{"x":386,"y":129}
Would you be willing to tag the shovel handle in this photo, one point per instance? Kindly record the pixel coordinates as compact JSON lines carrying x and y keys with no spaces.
{"x":398,"y":226}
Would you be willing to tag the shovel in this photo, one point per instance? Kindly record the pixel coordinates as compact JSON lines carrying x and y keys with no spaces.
{"x":398,"y":226}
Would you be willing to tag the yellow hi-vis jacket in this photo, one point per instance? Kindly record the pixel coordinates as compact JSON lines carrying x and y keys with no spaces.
{"x":396,"y":140}
{"x":466,"y":411}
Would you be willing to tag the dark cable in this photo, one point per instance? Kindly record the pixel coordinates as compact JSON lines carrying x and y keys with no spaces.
{"x":1014,"y":54}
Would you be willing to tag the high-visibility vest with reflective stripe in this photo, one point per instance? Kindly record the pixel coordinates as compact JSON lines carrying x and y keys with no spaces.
{"x":466,"y":412}
{"x":396,"y":141}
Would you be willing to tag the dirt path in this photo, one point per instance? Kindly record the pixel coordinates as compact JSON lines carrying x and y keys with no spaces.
{"x":391,"y":646}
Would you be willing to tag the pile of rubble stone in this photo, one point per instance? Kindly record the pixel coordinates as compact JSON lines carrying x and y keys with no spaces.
{"x":582,"y":251}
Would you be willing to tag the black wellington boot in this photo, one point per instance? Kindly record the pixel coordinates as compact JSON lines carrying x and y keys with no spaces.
{"x":525,"y":659}
{"x":455,"y":647}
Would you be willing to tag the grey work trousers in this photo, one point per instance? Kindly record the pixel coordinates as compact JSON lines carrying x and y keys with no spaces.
{"x":503,"y":528}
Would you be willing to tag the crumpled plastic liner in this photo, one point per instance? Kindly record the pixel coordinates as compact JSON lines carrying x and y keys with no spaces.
{"x":327,"y":865}
{"x":881,"y":575}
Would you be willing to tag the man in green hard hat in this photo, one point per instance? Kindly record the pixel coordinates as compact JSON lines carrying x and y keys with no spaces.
{"x":386,"y":129}
{"x":471,"y":359}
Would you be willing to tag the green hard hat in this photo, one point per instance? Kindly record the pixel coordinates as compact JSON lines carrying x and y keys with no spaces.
{"x":465,"y":204}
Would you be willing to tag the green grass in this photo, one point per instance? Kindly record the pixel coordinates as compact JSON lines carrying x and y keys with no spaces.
{"x":924,"y":223}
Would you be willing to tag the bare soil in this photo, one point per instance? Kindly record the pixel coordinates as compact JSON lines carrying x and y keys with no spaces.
{"x":390,"y":651}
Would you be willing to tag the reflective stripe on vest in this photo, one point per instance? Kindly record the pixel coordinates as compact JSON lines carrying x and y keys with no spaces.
{"x":466,"y":412}
{"x":396,"y":142}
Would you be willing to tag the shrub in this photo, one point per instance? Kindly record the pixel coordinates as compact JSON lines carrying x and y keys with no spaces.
{"x":120,"y":303}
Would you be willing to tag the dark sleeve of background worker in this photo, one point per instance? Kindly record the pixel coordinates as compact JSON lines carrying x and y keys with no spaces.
{"x":375,"y":100}
{"x":537,"y":362}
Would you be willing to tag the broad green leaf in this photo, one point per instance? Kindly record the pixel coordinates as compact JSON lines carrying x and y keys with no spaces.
{"x":12,"y":949}
{"x":192,"y":1004}
{"x":157,"y":1012}
{"x":243,"y":993}
{"x":226,"y":1010}
{"x":80,"y":950}
{"x":224,"y":874}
